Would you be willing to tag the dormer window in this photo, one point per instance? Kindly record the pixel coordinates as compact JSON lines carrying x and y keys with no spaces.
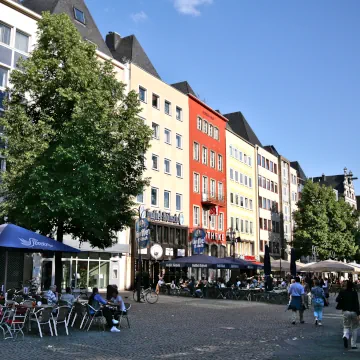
{"x":79,"y":15}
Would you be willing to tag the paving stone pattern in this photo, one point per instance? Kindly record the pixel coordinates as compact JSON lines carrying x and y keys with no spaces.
{"x":186,"y":328}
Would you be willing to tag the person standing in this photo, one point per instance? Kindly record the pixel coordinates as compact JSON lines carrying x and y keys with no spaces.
{"x":318,"y":297}
{"x":348,"y":302}
{"x":297,"y":300}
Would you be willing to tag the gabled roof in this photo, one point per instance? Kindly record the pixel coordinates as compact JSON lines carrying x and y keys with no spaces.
{"x":334,"y":181}
{"x":240,"y":126}
{"x":298,"y":168}
{"x":129,"y":49}
{"x":184,"y":87}
{"x":89,"y":30}
{"x":271,"y":149}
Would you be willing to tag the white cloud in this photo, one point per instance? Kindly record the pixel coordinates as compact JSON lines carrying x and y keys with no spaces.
{"x":139,"y":16}
{"x":190,"y":7}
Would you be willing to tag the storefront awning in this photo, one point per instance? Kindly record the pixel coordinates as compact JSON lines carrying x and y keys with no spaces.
{"x":85,"y":246}
{"x":202,"y":261}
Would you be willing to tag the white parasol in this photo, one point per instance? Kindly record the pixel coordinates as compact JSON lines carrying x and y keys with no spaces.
{"x":328,"y":266}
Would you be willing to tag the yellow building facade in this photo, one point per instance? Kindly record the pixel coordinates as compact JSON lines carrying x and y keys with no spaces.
{"x":241,"y":196}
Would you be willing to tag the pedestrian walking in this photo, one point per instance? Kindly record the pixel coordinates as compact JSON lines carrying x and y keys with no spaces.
{"x":297,"y":300}
{"x":348,"y":302}
{"x":318,"y":299}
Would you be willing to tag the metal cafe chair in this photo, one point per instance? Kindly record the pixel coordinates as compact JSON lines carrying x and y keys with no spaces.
{"x":79,"y":310}
{"x":43,"y":316}
{"x":5,"y":315}
{"x":124,"y":314}
{"x":93,"y":314}
{"x":61,"y":317}
{"x":16,"y":321}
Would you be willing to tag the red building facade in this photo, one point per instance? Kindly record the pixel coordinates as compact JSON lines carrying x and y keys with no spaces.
{"x":207,"y":179}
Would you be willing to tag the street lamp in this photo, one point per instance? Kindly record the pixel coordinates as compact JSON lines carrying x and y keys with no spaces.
{"x":231,"y":235}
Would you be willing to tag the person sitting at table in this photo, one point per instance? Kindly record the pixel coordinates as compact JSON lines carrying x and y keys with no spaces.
{"x":96,"y":301}
{"x":68,"y":297}
{"x":51,"y":295}
{"x":118,"y":300}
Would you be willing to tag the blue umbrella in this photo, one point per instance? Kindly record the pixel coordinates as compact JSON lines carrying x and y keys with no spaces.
{"x":16,"y":237}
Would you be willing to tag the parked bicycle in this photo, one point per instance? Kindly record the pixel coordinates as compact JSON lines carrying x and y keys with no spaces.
{"x":148,"y":295}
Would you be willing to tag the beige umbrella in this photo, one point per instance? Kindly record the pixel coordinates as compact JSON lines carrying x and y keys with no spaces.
{"x":328,"y":266}
{"x":285,"y":265}
{"x":356,"y":267}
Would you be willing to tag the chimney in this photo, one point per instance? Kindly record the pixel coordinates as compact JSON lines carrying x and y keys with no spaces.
{"x":323,"y":177}
{"x":345,"y":170}
{"x":112,"y":40}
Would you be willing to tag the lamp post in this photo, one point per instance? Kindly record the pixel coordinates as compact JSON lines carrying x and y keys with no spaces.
{"x":231,"y":234}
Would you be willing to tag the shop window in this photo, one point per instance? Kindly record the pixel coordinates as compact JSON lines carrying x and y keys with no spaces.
{"x":177,"y":237}
{"x":166,"y":235}
{"x":159,"y":234}
{"x":172,"y":235}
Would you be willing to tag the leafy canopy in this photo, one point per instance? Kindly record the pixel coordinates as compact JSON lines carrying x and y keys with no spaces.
{"x":325,"y":223}
{"x":75,"y":154}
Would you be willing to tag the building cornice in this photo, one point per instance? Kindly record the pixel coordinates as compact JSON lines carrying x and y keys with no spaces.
{"x":208,"y":107}
{"x":18,"y":7}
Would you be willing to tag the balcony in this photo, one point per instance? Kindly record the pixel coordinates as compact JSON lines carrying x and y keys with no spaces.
{"x":212,"y":199}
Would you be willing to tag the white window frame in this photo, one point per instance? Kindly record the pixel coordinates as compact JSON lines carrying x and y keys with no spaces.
{"x":167,"y":172}
{"x":199,"y":123}
{"x":178,"y":196}
{"x":205,"y":126}
{"x":157,"y":196}
{"x":165,"y":135}
{"x":11,"y":33}
{"x":221,"y":221}
{"x":210,"y":130}
{"x":205,"y":218}
{"x":28,"y":37}
{"x":196,"y":151}
{"x":220,"y":191}
{"x":204,"y":157}
{"x":178,"y":136}
{"x":180,"y":112}
{"x":168,"y":192}
{"x":212,"y":188}
{"x":156,"y":133}
{"x":158,"y":102}
{"x":205,"y":185}
{"x":220,"y":162}
{"x":231,"y":174}
{"x":236,"y":176}
{"x":231,"y":151}
{"x":196,"y":211}
{"x":181,"y":170}
{"x":216,"y":133}
{"x":143,"y":197}
{"x":196,"y":181}
{"x":142,"y":88}
{"x":212,"y":159}
{"x":167,"y":102}
{"x":157,"y":161}
{"x":213,"y":222}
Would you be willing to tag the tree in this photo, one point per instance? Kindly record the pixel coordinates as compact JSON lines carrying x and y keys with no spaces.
{"x":75,"y":153}
{"x":325,"y":223}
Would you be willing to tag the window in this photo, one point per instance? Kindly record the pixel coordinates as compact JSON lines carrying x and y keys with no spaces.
{"x":154,"y":196}
{"x":242,"y":225}
{"x":22,"y":42}
{"x":210,"y":130}
{"x":204,"y":155}
{"x":155,"y":162}
{"x":221,"y":221}
{"x":196,"y":182}
{"x":79,"y":15}
{"x":231,"y":198}
{"x":246,"y":203}
{"x":259,"y":159}
{"x":142,"y":94}
{"x":269,"y":225}
{"x":167,"y":165}
{"x":251,"y":227}
{"x":196,"y":151}
{"x":267,"y":164}
{"x":247,"y":226}
{"x":212,"y":188}
{"x":167,"y":107}
{"x":245,"y":158}
{"x":263,"y":203}
{"x":179,"y":170}
{"x":240,"y":156}
{"x":241,"y":178}
{"x":140,"y":198}
{"x":262,"y":161}
{"x":5,"y":32}
{"x":268,"y":204}
{"x":220,"y":163}
{"x":237,"y":199}
{"x":220,"y":191}
{"x":235,"y":153}
{"x":276,"y":188}
{"x":231,"y":150}
{"x":250,"y":204}
{"x":232,"y":222}
{"x":199,"y":123}
{"x":216,"y":133}
{"x":237,"y":228}
{"x":236,"y":176}
{"x":275,"y":168}
{"x":246,"y":180}
{"x":196,"y":215}
{"x":167,"y":134}
{"x":204,"y":185}
{"x":249,"y":161}
{"x":264,"y":183}
{"x":271,"y":166}
{"x":178,"y":141}
{"x":205,"y":126}
{"x":155,"y":128}
{"x":250,"y":182}
{"x":268,"y":184}
{"x":205,"y":218}
{"x":178,"y":113}
{"x":260,"y":202}
{"x":265,"y":224}
{"x":178,"y":202}
{"x":261,"y":223}
{"x":212,"y":159}
{"x":166,"y":199}
{"x":272,"y":186}
{"x":155,"y":101}
{"x":3,"y":77}
{"x":213,"y":221}
{"x":231,"y":174}
{"x":241,"y":201}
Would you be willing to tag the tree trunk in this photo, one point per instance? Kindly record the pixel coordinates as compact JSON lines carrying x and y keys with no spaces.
{"x":58,"y":256}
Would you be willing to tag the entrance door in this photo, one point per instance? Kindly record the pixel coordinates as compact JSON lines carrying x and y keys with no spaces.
{"x":47,"y":273}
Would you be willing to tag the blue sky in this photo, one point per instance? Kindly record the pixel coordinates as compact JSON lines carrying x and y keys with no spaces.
{"x":291,"y":67}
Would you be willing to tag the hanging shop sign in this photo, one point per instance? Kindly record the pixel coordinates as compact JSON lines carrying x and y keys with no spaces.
{"x":142,"y":233}
{"x":169,"y":252}
{"x":180,"y":252}
{"x":156,"y":251}
{"x":164,"y":216}
{"x":198,"y":241}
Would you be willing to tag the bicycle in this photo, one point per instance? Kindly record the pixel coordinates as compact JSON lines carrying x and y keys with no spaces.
{"x":148,"y":295}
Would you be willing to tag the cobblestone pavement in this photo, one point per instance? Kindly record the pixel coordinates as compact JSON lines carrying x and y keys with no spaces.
{"x":182,"y":328}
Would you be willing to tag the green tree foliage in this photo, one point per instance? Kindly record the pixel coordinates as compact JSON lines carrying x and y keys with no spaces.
{"x":75,"y":154}
{"x":324,"y":222}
